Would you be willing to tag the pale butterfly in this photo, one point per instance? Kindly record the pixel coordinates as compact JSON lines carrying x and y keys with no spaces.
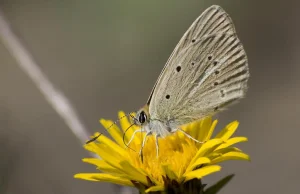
{"x":207,"y":71}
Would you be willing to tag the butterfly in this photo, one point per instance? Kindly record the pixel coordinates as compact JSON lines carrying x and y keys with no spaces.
{"x":206,"y":72}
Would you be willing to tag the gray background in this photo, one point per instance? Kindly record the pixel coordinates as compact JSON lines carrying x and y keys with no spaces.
{"x":106,"y":55}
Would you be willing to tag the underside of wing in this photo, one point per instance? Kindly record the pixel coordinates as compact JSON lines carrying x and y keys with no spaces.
{"x":221,"y":81}
{"x":204,"y":75}
{"x":213,"y":20}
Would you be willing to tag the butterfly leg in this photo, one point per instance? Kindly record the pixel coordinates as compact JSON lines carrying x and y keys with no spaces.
{"x":189,"y":136}
{"x":156,"y":144}
{"x":133,"y":136}
{"x":143,"y":144}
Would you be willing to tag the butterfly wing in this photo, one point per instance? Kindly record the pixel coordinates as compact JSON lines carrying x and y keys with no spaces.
{"x":213,"y":20}
{"x":207,"y":71}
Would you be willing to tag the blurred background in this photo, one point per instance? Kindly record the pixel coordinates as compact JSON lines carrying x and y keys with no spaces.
{"x":105,"y":56}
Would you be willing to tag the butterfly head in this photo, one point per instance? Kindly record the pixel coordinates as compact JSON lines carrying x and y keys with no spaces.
{"x":142,"y":116}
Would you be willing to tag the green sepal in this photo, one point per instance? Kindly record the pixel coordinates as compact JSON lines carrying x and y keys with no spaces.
{"x":219,"y":185}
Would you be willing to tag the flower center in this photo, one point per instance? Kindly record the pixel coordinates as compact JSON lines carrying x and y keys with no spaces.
{"x":175,"y":151}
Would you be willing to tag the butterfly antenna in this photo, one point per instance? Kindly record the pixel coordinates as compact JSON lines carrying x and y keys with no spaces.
{"x":93,"y":139}
{"x":118,"y":120}
{"x":114,"y":123}
{"x":133,"y":118}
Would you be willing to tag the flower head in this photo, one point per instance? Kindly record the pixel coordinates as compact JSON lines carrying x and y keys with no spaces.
{"x":180,"y":159}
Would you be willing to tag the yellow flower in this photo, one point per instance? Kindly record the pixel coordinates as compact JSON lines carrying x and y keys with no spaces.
{"x":180,"y":158}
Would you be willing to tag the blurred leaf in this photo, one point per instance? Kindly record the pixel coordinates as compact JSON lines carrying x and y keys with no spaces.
{"x":219,"y":185}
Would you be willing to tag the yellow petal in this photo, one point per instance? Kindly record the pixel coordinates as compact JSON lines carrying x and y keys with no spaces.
{"x":119,"y":168}
{"x":169,"y":172}
{"x":199,"y":161}
{"x":226,"y":150}
{"x":232,"y":141}
{"x":124,"y":122}
{"x":110,"y":156}
{"x":211,"y":130}
{"x":127,"y":128}
{"x":191,"y":129}
{"x":220,"y":152}
{"x":123,"y":169}
{"x":207,"y":147}
{"x":134,"y":173}
{"x":113,"y":130}
{"x":228,"y":131}
{"x":112,"y":145}
{"x":103,"y":178}
{"x":201,"y":172}
{"x":121,"y":164}
{"x":205,"y":126}
{"x":94,"y":161}
{"x":155,"y":188}
{"x":92,"y":147}
{"x":102,"y":165}
{"x":231,"y":156}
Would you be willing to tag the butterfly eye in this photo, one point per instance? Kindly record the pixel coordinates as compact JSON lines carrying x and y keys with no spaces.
{"x":142,"y":117}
